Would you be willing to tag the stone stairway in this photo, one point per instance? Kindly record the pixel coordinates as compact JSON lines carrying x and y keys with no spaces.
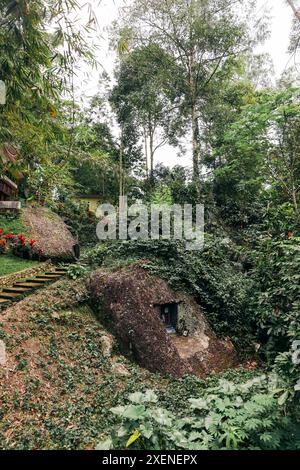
{"x":21,"y":288}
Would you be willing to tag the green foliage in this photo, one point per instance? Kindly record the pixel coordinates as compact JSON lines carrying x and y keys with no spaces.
{"x":11,"y":223}
{"x":33,"y":60}
{"x":81,"y":221}
{"x":40,"y":46}
{"x":76,"y":271}
{"x":275,"y":306}
{"x":278,"y":293}
{"x":227,"y":416}
{"x":176,"y":179}
{"x":261,"y":158}
{"x":161,"y":195}
{"x":191,"y":45}
{"x":142,"y":97}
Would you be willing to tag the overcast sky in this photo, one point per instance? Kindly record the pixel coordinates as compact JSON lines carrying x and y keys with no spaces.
{"x":107,"y":11}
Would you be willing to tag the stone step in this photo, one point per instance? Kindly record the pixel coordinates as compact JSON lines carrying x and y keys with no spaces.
{"x":55,"y":273}
{"x":8,"y":295}
{"x":48,"y":276}
{"x":31,"y":281}
{"x":21,"y":287}
{"x":28,"y":284}
{"x":16,"y":289}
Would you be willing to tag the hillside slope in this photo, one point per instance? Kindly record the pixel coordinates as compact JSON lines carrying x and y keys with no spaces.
{"x":60,"y":378}
{"x":62,"y":374}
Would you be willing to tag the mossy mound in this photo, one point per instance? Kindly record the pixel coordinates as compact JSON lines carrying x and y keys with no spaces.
{"x":52,"y":235}
{"x":128,"y":302}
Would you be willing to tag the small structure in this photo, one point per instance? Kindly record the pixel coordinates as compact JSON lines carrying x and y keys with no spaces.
{"x":168,"y":313}
{"x":91,"y":200}
{"x":8,"y":189}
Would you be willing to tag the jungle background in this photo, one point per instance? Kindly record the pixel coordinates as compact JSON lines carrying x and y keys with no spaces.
{"x":187,"y":75}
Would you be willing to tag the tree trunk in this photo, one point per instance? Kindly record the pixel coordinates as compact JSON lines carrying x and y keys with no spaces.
{"x":195,"y":145}
{"x":295,"y":10}
{"x":146,"y":153}
{"x":121,"y":176}
{"x":151,"y":146}
{"x":295,"y":203}
{"x":194,"y":119}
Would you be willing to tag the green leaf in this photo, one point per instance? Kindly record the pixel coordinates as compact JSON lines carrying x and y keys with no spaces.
{"x":198,"y":403}
{"x":150,"y":396}
{"x":105,"y":445}
{"x":134,"y":412}
{"x":297,"y":386}
{"x":133,"y":438}
{"x":161,"y":416}
{"x":283,"y":398}
{"x":118,"y":410}
{"x":136,"y":397}
{"x":146,"y":430}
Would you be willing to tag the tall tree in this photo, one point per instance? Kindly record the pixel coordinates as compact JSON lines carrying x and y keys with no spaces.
{"x":201,"y":37}
{"x":40,"y":46}
{"x":141,"y":83}
{"x":263,"y":152}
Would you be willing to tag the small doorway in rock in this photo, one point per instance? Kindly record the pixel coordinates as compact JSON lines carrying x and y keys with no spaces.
{"x":169,"y":315}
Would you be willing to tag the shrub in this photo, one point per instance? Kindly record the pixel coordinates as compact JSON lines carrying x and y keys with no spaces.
{"x":80,"y":221}
{"x":76,"y":271}
{"x":277,"y":303}
{"x":226,"y":416}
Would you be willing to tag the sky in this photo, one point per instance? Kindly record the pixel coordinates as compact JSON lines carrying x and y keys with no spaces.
{"x":106,"y":11}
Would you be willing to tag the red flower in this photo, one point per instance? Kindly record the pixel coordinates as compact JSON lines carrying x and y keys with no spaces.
{"x":32,"y":242}
{"x":8,"y":236}
{"x":1,"y":231}
{"x":290,"y":234}
{"x":22,"y":239}
{"x":2,"y":242}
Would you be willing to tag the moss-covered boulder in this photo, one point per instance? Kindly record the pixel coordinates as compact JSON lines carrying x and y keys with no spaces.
{"x":129,"y":301}
{"x":52,"y":235}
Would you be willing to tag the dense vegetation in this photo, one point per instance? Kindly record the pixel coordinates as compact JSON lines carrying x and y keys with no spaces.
{"x":187,"y":75}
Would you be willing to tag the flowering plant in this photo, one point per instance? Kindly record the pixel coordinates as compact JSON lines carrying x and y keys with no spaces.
{"x":2,"y":245}
{"x":19,"y":245}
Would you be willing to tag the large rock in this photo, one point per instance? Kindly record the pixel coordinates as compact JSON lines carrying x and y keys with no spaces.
{"x":129,"y":300}
{"x":52,"y":235}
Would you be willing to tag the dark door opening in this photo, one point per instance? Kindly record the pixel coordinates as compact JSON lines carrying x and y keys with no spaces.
{"x":169,"y":314}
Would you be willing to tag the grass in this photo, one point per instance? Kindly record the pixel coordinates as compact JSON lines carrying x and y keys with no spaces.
{"x":12,"y":264}
{"x":11,"y":223}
